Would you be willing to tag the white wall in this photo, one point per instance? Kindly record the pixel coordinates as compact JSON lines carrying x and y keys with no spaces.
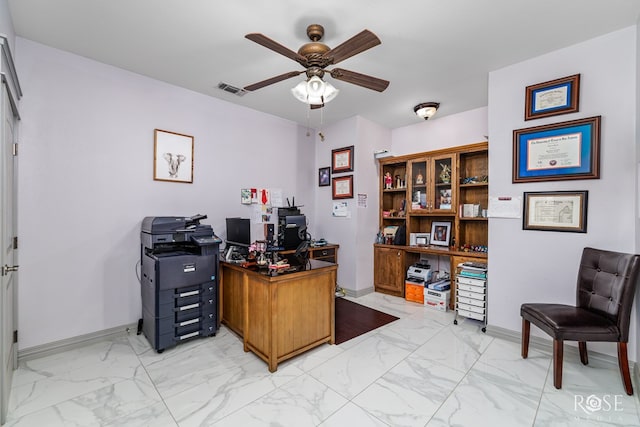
{"x":532,"y":266}
{"x":464,"y":128}
{"x":6,"y":26}
{"x":86,"y":182}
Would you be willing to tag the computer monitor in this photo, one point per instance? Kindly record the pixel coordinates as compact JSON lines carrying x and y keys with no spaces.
{"x":238,"y":232}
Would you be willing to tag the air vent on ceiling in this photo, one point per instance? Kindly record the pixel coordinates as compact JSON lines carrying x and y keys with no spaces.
{"x":231,"y":89}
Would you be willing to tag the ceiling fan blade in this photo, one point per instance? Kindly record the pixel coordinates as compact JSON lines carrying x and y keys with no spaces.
{"x":272,"y":80}
{"x":356,"y":44}
{"x":359,"y":79}
{"x":265,"y":41}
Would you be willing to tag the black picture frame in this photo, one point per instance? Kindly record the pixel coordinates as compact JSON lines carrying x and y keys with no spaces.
{"x":557,"y":152}
{"x":555,"y":211}
{"x":324,"y":177}
{"x":552,"y":98}
{"x":342,"y":160}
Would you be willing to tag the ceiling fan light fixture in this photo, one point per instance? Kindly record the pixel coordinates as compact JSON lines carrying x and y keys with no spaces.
{"x":426,"y":109}
{"x":314,"y":91}
{"x":315,"y":86}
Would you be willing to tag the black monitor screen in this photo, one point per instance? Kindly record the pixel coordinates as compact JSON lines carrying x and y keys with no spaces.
{"x":238,"y":231}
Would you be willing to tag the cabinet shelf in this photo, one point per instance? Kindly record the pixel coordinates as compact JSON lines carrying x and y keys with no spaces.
{"x":478,"y":184}
{"x":470,"y":218}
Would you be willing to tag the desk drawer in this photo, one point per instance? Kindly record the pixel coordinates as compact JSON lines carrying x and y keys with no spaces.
{"x":325,"y":254}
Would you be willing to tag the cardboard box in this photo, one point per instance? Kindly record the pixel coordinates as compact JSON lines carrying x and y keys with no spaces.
{"x":438,"y":300}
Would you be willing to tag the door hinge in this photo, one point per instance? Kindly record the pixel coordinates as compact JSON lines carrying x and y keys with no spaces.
{"x":15,"y":148}
{"x":15,"y":336}
{"x":15,"y":242}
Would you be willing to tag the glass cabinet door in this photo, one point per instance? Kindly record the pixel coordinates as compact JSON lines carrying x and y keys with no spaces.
{"x":442,"y":189}
{"x":418,"y":181}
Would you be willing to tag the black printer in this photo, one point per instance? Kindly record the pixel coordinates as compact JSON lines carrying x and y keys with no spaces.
{"x":179,"y":280}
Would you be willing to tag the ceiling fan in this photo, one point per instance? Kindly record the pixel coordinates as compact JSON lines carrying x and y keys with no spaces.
{"x":315,"y":57}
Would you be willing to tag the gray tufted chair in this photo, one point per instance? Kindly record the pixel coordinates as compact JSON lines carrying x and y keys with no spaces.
{"x":606,"y":285}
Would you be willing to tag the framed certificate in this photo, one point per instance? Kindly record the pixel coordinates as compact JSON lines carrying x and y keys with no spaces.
{"x":556,"y":152}
{"x":560,"y":96}
{"x":555,"y":211}
{"x":342,"y":187}
{"x":342,"y":160}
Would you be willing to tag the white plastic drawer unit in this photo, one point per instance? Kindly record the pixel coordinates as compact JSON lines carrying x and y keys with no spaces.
{"x":470,"y":314}
{"x":470,"y":281}
{"x":470,"y":288}
{"x":472,"y":308}
{"x":470,"y":301}
{"x":473,"y":295}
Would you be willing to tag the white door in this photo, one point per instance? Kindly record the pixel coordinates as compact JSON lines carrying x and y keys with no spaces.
{"x":8,"y":250}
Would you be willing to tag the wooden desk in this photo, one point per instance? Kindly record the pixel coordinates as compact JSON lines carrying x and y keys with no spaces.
{"x":282,"y":316}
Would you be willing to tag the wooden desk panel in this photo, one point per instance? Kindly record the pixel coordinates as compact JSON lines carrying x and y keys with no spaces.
{"x":282,"y":316}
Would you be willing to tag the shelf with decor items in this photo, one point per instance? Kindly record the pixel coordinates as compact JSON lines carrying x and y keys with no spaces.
{"x":447,"y":186}
{"x":432,"y":188}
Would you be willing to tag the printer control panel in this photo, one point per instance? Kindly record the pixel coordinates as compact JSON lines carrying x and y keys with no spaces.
{"x":210,"y":240}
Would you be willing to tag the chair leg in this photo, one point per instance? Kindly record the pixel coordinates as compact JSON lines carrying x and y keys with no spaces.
{"x":584,"y":357}
{"x":526,"y":326}
{"x":557,"y":363}
{"x":623,"y":363}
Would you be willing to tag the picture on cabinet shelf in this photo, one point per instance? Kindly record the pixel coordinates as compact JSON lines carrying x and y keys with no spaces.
{"x":445,"y":198}
{"x":440,"y":233}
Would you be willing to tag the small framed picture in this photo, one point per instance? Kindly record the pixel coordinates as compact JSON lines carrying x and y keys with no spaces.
{"x":555,"y":211}
{"x":172,"y":157}
{"x":342,"y":160}
{"x":560,"y":96}
{"x":324,"y":177}
{"x":440,"y":233}
{"x":342,"y":187}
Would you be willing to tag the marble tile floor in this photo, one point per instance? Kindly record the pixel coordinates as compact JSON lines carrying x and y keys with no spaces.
{"x":420,"y":370}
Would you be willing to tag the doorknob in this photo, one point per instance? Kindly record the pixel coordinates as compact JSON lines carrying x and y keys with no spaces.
{"x":7,"y":269}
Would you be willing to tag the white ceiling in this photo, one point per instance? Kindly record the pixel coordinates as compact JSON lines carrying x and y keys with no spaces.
{"x":432,"y":50}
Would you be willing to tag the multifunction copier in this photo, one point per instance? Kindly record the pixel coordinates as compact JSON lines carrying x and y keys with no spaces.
{"x":179,"y":279}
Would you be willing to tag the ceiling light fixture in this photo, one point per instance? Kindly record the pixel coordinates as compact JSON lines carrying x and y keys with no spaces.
{"x":426,"y":109}
{"x":314,"y":91}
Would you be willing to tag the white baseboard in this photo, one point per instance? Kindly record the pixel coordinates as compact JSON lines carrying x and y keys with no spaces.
{"x":358,"y":293}
{"x":546,"y":344}
{"x":74,"y":342}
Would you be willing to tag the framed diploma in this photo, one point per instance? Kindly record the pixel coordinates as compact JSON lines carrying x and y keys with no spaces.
{"x":555,"y":211}
{"x":560,"y":96}
{"x":557,"y":152}
{"x":342,"y":160}
{"x":342,"y":187}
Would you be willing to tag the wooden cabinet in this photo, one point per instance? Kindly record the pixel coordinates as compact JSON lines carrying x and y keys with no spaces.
{"x":389,"y":272}
{"x":431,"y":184}
{"x":419,"y":189}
